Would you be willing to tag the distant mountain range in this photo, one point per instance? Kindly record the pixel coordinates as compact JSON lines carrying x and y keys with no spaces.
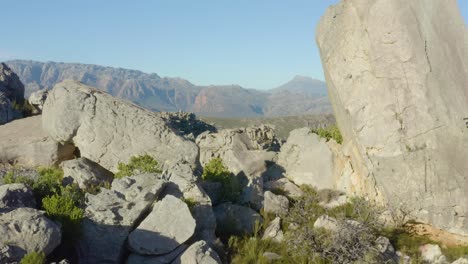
{"x":301,"y":95}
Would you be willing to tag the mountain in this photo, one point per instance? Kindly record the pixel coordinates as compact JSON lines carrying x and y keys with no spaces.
{"x":302,"y":95}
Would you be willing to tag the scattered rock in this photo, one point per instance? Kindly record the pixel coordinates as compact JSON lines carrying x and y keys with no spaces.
{"x":29,"y":230}
{"x":307,"y":159}
{"x":198,"y":253}
{"x":85,"y":173}
{"x":11,"y":254}
{"x":16,"y":195}
{"x":11,"y":90}
{"x":108,"y":131}
{"x":233,"y":219}
{"x":111,"y":215}
{"x":277,"y":204}
{"x":161,"y":259}
{"x":23,"y":142}
{"x":290,"y":189}
{"x":37,"y":100}
{"x":403,"y":258}
{"x":334,"y":201}
{"x":461,"y":261}
{"x":270,"y":256}
{"x":432,"y":254}
{"x":327,"y":223}
{"x":186,"y":123}
{"x":387,"y":250}
{"x":273,"y":231}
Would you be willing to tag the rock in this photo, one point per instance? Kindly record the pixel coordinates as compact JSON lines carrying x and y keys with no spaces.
{"x":273,"y":231}
{"x":334,"y":201}
{"x":214,"y":191}
{"x":461,"y":261}
{"x":252,"y":193}
{"x":388,"y":65}
{"x":11,"y":254}
{"x":108,"y":131}
{"x":198,"y":253}
{"x":37,"y":100}
{"x":285,"y":185}
{"x":327,"y":223}
{"x":111,"y":215}
{"x":233,"y":219}
{"x":63,"y":261}
{"x":387,"y":250}
{"x":432,"y":254}
{"x":16,"y":195}
{"x":186,"y":123}
{"x":29,"y":230}
{"x":270,"y":256}
{"x":403,"y":258}
{"x":23,"y":142}
{"x":307,"y":159}
{"x":169,"y":224}
{"x":11,"y":90}
{"x":161,"y":259}
{"x":277,"y":204}
{"x":85,"y":173}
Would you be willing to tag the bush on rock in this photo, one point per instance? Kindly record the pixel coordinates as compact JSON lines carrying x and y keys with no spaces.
{"x":215,"y":171}
{"x":138,"y":164}
{"x":34,"y":258}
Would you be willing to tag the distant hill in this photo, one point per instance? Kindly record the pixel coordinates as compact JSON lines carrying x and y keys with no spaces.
{"x":302,"y":95}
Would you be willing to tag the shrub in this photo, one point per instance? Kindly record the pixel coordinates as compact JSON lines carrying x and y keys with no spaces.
{"x":25,"y":108}
{"x":190,"y":202}
{"x":11,"y":178}
{"x":138,"y":164}
{"x":34,"y":258}
{"x":331,"y":132}
{"x":48,"y":183}
{"x":215,"y":171}
{"x":64,"y":210}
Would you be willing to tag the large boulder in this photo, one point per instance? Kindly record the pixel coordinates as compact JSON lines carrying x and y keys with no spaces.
{"x":11,"y":91}
{"x":112,"y":214}
{"x":160,"y":259}
{"x":85,"y":173}
{"x":233,"y":219}
{"x":29,"y":230}
{"x":276,"y":204}
{"x":107,"y":130}
{"x":396,"y":73}
{"x":198,"y":253}
{"x":169,"y":224}
{"x":37,"y":100}
{"x":16,"y":195}
{"x":24,"y":142}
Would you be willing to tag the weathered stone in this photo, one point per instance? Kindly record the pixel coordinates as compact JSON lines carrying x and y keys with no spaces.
{"x":334,"y":201}
{"x":10,"y":254}
{"x":214,"y":191}
{"x":161,"y":259}
{"x":290,"y":189}
{"x":29,"y":230}
{"x":252,"y":193}
{"x":387,"y":250}
{"x":198,"y":253}
{"x":16,"y":195}
{"x":37,"y":100}
{"x":461,"y":261}
{"x":277,"y":204}
{"x":168,"y":226}
{"x":270,"y":256}
{"x":11,"y":90}
{"x":111,"y":215}
{"x":396,"y":73}
{"x":24,"y":142}
{"x":273,"y":231}
{"x":233,"y":219}
{"x":85,"y":173}
{"x":432,"y":254}
{"x":108,"y":131}
{"x":307,"y":159}
{"x":327,"y":223}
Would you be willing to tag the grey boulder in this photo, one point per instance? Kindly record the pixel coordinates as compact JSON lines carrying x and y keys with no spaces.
{"x":273,"y":230}
{"x":276,"y":204}
{"x":16,"y":195}
{"x":85,"y":173}
{"x":37,"y":100}
{"x":233,"y":219}
{"x":11,"y":90}
{"x":198,"y":253}
{"x":160,"y":259}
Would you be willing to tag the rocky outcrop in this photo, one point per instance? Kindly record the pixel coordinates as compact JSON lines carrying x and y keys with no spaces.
{"x":233,"y":219}
{"x":11,"y":90}
{"x":276,"y":204}
{"x":24,"y":142}
{"x":186,"y":123}
{"x":29,"y":230}
{"x":112,"y":214}
{"x":108,"y":131}
{"x":37,"y":100}
{"x":396,"y":73}
{"x":16,"y":195}
{"x":198,"y":253}
{"x":169,"y":224}
{"x":85,"y":173}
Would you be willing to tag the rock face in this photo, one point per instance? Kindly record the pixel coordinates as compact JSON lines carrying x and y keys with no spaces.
{"x":168,"y":226}
{"x":29,"y":230}
{"x":307,"y":159}
{"x":111,"y":214}
{"x":233,"y":219}
{"x":24,"y":142}
{"x":397,"y":73}
{"x":198,"y":253}
{"x":277,"y":204}
{"x":85,"y":173}
{"x":108,"y":131}
{"x":11,"y":90}
{"x":16,"y":195}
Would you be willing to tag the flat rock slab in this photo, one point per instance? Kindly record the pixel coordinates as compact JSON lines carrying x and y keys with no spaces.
{"x":169,"y":224}
{"x":85,"y":173}
{"x":198,"y":253}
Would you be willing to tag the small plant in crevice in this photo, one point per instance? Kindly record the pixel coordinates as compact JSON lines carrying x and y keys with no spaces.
{"x":215,"y":171}
{"x":64,"y":210}
{"x":331,"y":132}
{"x":191,"y":203}
{"x":138,"y":164}
{"x":34,"y":258}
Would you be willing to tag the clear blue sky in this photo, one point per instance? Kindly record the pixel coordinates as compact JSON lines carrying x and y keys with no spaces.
{"x":253,"y":43}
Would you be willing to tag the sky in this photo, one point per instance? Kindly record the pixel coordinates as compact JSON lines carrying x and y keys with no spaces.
{"x":253,"y":43}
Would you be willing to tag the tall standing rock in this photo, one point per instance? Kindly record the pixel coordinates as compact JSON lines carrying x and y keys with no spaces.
{"x":397,"y":74}
{"x":11,"y":90}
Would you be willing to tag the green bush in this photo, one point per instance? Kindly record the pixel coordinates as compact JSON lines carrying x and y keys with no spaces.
{"x":331,"y":132}
{"x":11,"y":178}
{"x":215,"y":171}
{"x":25,"y":108}
{"x":64,"y":210}
{"x":34,"y":258}
{"x":138,"y":164}
{"x":48,"y":183}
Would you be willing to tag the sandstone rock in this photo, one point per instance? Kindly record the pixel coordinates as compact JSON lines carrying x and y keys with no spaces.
{"x":307,"y":159}
{"x":285,"y":185}
{"x":85,"y":173}
{"x":233,"y":219}
{"x":273,"y":231}
{"x":29,"y":230}
{"x":432,"y":254}
{"x":327,"y":223}
{"x":108,"y":131}
{"x":111,"y":215}
{"x":198,"y":253}
{"x":277,"y":204}
{"x":168,"y":226}
{"x":388,"y":65}
{"x":16,"y":195}
{"x":24,"y":142}
{"x":37,"y":100}
{"x":161,"y":259}
{"x":11,"y":90}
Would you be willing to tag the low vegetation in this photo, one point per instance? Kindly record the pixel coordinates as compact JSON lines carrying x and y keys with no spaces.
{"x":64,"y":210}
{"x":25,"y":108}
{"x":138,"y":164}
{"x":34,"y":258}
{"x":215,"y":171}
{"x":331,"y":132}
